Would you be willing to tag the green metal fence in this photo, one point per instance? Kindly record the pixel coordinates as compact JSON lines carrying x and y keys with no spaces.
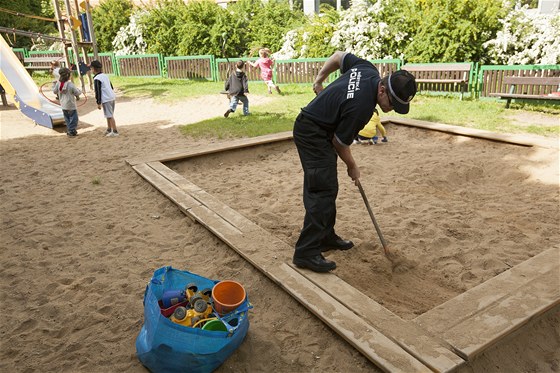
{"x":21,"y":53}
{"x":482,"y":81}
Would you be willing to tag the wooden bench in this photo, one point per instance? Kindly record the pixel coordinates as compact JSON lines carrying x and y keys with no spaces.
{"x":40,"y":63}
{"x":442,"y":73}
{"x":529,"y":88}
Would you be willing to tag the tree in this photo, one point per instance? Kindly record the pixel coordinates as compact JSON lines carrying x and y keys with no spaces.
{"x":202,"y":29}
{"x":452,"y":30}
{"x":20,"y":22}
{"x":108,"y":17}
{"x":313,"y":39}
{"x":162,"y":25}
{"x":270,"y":22}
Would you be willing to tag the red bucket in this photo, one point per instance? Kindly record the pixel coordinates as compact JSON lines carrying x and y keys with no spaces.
{"x":227,"y":296}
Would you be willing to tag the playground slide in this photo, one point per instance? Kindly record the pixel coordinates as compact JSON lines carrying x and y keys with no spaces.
{"x":18,"y":83}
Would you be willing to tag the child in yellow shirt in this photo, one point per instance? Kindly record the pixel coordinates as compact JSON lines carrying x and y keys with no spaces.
{"x":368,"y":135}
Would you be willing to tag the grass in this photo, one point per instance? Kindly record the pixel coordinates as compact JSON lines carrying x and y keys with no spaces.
{"x":275,"y":116}
{"x":484,"y":114}
{"x":279,"y":114}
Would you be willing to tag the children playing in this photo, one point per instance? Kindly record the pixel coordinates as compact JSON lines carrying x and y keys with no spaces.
{"x":265,"y":63}
{"x":68,"y":93}
{"x":368,"y":135}
{"x":237,"y":86}
{"x":105,"y":97}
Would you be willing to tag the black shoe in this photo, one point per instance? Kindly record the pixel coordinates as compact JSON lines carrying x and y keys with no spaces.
{"x":337,"y":243}
{"x":315,"y":263}
{"x":227,"y":113}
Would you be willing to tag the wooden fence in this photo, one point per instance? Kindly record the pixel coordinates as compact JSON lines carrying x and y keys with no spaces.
{"x":20,"y":53}
{"x":481,"y":81}
{"x":491,"y":78}
{"x":298,"y":71}
{"x":225,"y":65}
{"x":107,"y":61}
{"x":144,"y":65}
{"x":387,"y":67}
{"x":191,"y":67}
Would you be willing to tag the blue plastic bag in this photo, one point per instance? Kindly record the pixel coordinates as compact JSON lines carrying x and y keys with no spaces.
{"x":163,"y":346}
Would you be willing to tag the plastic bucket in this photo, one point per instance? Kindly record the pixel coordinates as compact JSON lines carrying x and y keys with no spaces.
{"x":227,"y":296}
{"x":215,"y":325}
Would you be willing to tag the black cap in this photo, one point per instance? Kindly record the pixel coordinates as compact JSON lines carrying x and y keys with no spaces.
{"x":96,"y":64}
{"x":402,"y":88}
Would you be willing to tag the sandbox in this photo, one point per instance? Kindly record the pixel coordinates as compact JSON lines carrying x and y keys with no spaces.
{"x":478,"y":217}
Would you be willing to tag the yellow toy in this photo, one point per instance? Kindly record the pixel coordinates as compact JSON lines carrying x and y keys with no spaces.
{"x":189,"y":317}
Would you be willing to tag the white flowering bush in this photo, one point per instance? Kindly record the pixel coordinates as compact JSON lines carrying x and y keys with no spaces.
{"x":364,"y":32}
{"x":288,"y":50}
{"x":129,"y":39}
{"x":313,"y":39}
{"x":372,"y":30}
{"x":527,"y":38}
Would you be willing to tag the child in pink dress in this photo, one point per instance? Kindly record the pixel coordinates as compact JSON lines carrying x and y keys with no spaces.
{"x":265,"y":63}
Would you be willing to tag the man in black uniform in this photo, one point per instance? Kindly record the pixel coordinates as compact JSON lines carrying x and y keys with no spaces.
{"x":325,"y":128}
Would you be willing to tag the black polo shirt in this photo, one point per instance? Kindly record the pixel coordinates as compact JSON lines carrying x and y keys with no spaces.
{"x":346,"y":105}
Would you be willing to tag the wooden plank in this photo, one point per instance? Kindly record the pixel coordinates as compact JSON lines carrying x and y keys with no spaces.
{"x":174,"y":177}
{"x":213,"y":222}
{"x":472,"y":132}
{"x":42,"y":59}
{"x":177,"y":196}
{"x":409,"y":349}
{"x":438,"y":67}
{"x":525,"y":97}
{"x":225,"y":212}
{"x":432,"y":352}
{"x":258,"y":247}
{"x":212,"y":148}
{"x":532,"y":80}
{"x":440,"y":81}
{"x":380,"y":350}
{"x":478,"y":318}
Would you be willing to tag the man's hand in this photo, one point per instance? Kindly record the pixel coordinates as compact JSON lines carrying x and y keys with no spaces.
{"x":317,"y":88}
{"x":98,"y":107}
{"x":354,"y":174}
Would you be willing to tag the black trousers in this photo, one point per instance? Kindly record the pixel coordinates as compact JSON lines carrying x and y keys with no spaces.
{"x":320,"y":185}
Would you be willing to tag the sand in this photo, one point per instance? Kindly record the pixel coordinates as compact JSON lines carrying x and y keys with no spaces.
{"x":82,"y":234}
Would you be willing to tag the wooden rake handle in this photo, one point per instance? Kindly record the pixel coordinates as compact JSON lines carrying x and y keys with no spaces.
{"x":385,"y":249}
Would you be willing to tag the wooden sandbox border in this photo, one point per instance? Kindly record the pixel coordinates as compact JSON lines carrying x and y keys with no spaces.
{"x":433,"y":342}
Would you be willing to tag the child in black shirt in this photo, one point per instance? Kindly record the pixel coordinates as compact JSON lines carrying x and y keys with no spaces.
{"x":237,"y":87}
